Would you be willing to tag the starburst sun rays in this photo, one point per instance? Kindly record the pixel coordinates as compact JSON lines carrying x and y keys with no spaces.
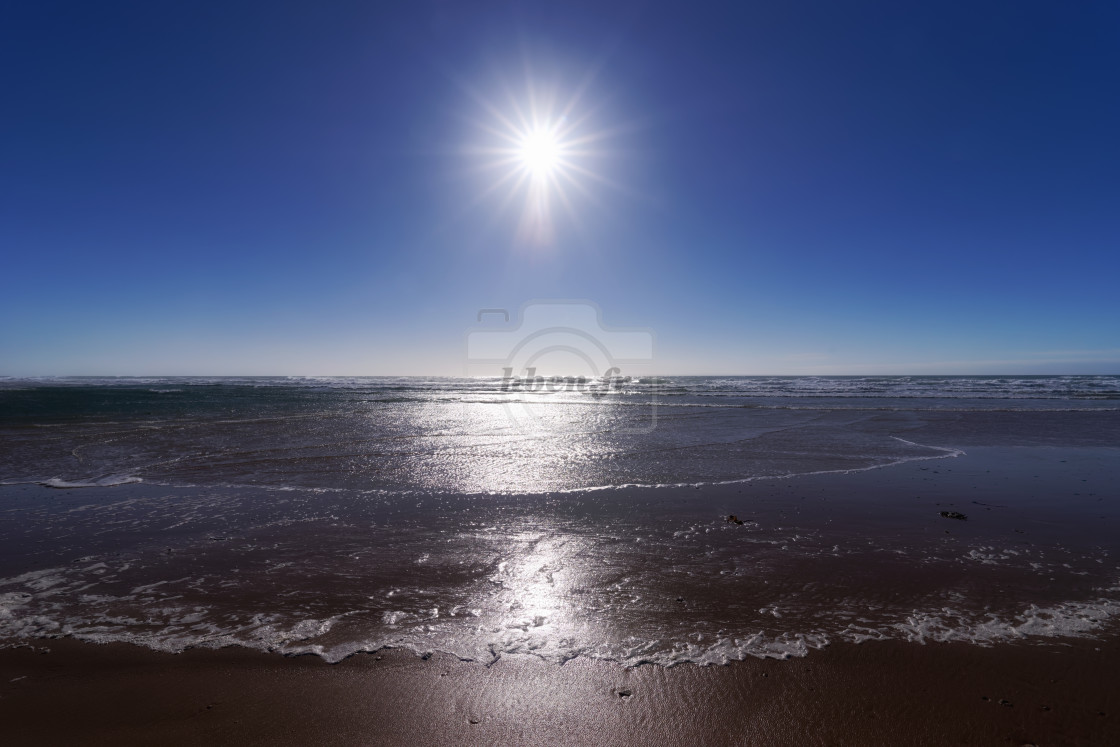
{"x":540,"y":153}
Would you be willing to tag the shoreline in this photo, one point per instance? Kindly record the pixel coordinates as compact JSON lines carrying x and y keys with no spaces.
{"x":872,"y":693}
{"x":869,"y":540}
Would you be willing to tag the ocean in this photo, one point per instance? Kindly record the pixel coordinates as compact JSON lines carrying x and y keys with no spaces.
{"x":652,"y":520}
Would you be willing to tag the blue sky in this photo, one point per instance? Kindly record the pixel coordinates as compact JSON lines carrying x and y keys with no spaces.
{"x":796,"y":187}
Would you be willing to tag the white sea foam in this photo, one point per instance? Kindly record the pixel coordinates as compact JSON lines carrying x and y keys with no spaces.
{"x":1068,"y":619}
{"x":58,"y":601}
{"x":940,"y":452}
{"x":101,"y":482}
{"x":943,"y":453}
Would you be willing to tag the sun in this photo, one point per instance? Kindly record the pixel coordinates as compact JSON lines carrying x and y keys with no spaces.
{"x":540,"y":151}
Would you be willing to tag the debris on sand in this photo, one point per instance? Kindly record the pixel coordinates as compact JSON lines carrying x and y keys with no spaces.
{"x":733,"y":519}
{"x":954,"y":515}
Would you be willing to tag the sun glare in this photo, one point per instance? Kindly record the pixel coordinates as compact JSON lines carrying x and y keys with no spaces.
{"x":540,"y":152}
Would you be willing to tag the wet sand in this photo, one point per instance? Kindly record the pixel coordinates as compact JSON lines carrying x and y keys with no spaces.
{"x":875,"y":693}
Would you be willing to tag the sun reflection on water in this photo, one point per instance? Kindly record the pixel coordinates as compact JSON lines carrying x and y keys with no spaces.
{"x":540,"y":606}
{"x":488,"y":453}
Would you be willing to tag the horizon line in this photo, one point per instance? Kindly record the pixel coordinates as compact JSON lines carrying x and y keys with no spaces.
{"x":9,"y":377}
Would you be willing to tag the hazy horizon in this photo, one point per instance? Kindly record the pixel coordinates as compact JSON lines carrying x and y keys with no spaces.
{"x":863,"y":374}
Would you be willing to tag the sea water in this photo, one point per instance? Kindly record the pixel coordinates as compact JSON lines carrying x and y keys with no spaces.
{"x":335,"y":515}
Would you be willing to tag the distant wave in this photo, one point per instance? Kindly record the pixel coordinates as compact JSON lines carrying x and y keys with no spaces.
{"x":1097,"y":387}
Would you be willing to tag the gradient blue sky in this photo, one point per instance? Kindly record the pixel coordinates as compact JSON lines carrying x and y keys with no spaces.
{"x":779,"y":187}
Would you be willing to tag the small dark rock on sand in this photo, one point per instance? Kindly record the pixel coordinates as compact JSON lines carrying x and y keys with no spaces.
{"x":954,"y":515}
{"x":624,"y":693}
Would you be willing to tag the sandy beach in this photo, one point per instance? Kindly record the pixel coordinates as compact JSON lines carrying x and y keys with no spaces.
{"x":877,"y":693}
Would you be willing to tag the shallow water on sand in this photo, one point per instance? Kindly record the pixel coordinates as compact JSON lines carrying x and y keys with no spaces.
{"x":350,"y":515}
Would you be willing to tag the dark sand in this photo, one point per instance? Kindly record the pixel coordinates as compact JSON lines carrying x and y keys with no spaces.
{"x":875,"y":693}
